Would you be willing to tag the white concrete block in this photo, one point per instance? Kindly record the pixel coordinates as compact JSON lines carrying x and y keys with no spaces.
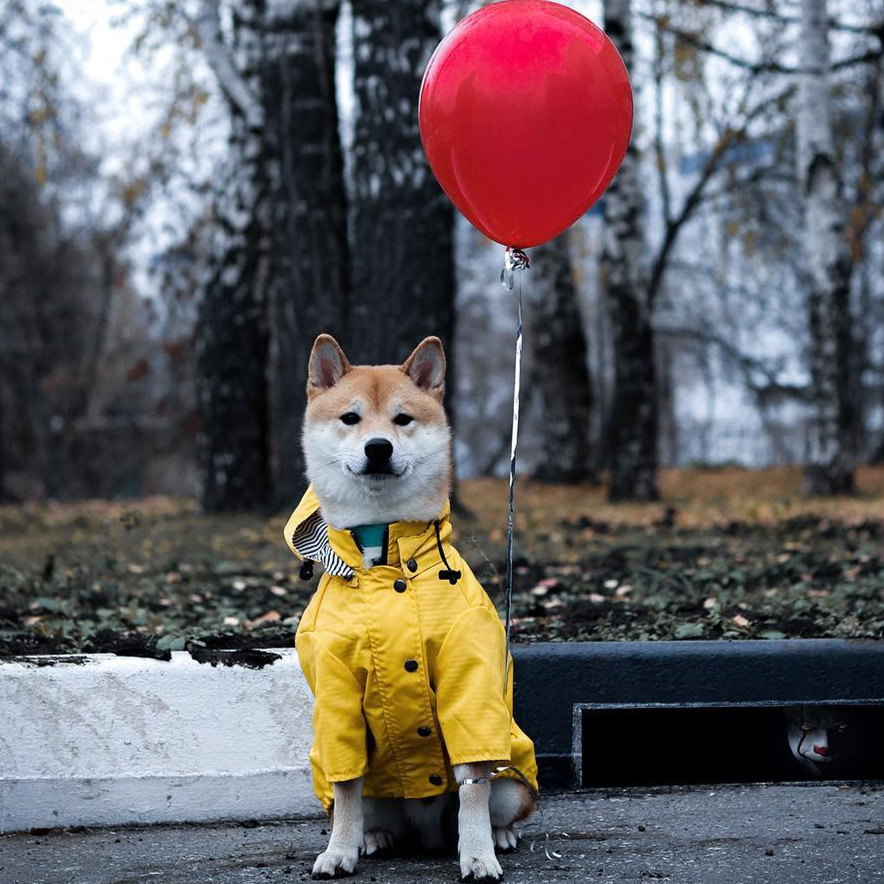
{"x":129,"y":740}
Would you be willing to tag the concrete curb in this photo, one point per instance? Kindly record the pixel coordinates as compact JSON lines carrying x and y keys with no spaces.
{"x":113,"y":740}
{"x":555,"y":680}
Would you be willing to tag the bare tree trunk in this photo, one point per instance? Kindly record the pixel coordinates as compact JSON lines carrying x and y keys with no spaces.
{"x":831,"y":457}
{"x":403,"y":277}
{"x":561,"y":374}
{"x":310,"y":276}
{"x":862,"y":213}
{"x":232,"y":335}
{"x":668,"y":421}
{"x":4,"y":497}
{"x":633,"y":421}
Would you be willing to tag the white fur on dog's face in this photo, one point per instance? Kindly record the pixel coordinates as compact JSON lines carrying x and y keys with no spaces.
{"x":350,"y":405}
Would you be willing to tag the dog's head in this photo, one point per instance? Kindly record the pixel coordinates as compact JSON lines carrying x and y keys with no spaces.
{"x":376,"y":438}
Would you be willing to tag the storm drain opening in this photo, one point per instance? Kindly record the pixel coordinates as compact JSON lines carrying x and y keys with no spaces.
{"x":652,"y":745}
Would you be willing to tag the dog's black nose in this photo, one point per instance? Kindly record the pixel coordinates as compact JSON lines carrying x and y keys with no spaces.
{"x":378,"y":451}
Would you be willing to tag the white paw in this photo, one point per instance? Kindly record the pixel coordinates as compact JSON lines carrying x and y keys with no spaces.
{"x":480,"y":868}
{"x":376,"y":840}
{"x":336,"y":863}
{"x":505,"y":839}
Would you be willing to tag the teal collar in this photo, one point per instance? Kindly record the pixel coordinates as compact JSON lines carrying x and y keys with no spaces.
{"x":369,"y":536}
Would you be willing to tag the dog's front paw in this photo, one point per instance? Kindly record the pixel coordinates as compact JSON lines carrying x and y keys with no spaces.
{"x":480,"y":868}
{"x":336,"y":863}
{"x":376,"y":841}
{"x":505,"y":839}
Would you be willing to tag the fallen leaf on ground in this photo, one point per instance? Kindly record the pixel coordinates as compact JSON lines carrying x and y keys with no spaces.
{"x":269,"y":617}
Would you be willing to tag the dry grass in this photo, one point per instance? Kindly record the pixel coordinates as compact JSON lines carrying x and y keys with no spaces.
{"x":703,"y":498}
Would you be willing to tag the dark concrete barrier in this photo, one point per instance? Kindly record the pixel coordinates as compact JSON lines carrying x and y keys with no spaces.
{"x":552,"y":682}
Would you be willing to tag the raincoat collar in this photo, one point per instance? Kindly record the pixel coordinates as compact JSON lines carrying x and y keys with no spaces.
{"x":310,"y":537}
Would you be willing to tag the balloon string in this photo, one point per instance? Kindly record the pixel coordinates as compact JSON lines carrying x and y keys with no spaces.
{"x":515,"y":259}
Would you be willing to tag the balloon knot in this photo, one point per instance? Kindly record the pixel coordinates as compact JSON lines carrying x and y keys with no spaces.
{"x":514,"y":259}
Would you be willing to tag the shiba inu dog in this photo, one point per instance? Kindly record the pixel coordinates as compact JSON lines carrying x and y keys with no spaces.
{"x":402,"y":647}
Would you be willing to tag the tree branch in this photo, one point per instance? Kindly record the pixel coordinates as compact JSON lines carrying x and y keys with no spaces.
{"x":764,"y":67}
{"x":241,"y":97}
{"x":755,"y":67}
{"x":693,"y":199}
{"x":753,"y":11}
{"x":748,"y":365}
{"x":756,"y":176}
{"x":835,"y":25}
{"x":659,"y":147}
{"x":865,"y":58}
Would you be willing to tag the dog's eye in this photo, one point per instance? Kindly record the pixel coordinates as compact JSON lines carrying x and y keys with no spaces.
{"x":403,"y":420}
{"x":350,"y":418}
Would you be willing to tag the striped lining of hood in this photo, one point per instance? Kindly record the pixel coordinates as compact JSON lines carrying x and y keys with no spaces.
{"x":310,"y":541}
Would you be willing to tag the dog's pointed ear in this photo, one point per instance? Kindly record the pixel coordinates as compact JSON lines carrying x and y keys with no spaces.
{"x":328,"y":365}
{"x":426,"y":367}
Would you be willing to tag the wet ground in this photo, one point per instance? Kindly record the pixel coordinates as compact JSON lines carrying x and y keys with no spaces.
{"x":755,"y":834}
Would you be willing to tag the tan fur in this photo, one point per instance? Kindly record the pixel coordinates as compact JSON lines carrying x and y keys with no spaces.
{"x":528,"y":805}
{"x":383,"y":389}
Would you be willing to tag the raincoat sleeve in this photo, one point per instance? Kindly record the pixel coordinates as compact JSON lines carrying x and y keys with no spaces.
{"x":470,"y":703}
{"x":339,"y":729}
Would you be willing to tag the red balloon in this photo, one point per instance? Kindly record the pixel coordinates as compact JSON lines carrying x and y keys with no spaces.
{"x":525,"y":116}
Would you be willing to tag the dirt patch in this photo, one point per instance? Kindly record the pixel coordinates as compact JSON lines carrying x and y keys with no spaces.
{"x":130,"y":644}
{"x":40,"y":662}
{"x":250,"y":659}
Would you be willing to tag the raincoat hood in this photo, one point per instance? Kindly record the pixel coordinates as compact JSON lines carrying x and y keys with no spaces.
{"x":406,"y":662}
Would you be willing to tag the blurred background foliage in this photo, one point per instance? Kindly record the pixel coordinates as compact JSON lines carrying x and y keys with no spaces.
{"x":191,"y":191}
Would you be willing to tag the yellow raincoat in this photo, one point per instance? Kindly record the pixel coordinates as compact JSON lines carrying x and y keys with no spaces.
{"x":407,"y":668}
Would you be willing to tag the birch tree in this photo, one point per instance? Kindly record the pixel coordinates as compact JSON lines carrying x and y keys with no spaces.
{"x":403,"y":277}
{"x":830,"y":466}
{"x":634,"y":283}
{"x":560,"y":376}
{"x":232,"y":330}
{"x":309,"y":281}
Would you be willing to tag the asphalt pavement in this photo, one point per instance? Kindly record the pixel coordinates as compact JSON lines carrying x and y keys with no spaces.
{"x":745,"y":834}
